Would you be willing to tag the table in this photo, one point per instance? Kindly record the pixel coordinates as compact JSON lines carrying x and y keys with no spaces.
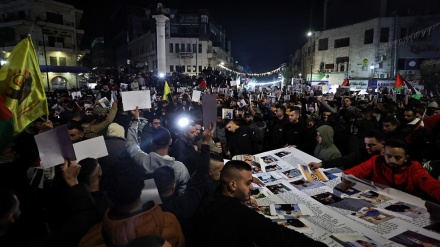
{"x":312,"y":203}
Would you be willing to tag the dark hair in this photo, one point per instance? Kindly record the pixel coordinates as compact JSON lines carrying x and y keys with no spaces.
{"x":161,"y":138}
{"x":147,"y":241}
{"x":216,"y":157}
{"x":75,"y":125}
{"x":88,"y":166}
{"x":123,"y":187}
{"x":296,"y":109}
{"x":396,"y":143}
{"x":390,"y":119}
{"x":379,"y":135}
{"x":281,"y":107}
{"x":164,"y":178}
{"x":231,"y":169}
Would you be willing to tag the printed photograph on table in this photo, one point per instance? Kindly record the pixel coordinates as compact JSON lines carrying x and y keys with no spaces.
{"x":348,"y":191}
{"x":326,"y":198}
{"x":269,"y":159}
{"x":406,"y":209}
{"x":294,"y":223}
{"x":278,"y":188}
{"x":267,"y":178}
{"x":285,"y":210}
{"x":410,"y":238}
{"x":312,"y":175}
{"x":273,"y":167}
{"x":282,"y":153}
{"x":252,"y":160}
{"x":351,"y":240}
{"x":265,"y":210}
{"x":372,"y":215}
{"x":306,"y":185}
{"x":293,"y":173}
{"x":256,"y":193}
{"x":374,"y":197}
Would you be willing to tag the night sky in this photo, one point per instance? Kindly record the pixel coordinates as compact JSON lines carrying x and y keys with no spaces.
{"x":265,"y":33}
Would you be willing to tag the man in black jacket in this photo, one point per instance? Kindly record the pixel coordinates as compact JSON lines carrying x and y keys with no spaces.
{"x":295,"y":132}
{"x":224,"y":220}
{"x":241,"y":139}
{"x":185,"y":151}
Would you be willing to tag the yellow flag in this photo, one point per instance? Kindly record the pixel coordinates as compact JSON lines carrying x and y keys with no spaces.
{"x":166,"y":91}
{"x":21,"y":86}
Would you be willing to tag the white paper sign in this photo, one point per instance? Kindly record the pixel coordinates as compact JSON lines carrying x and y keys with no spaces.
{"x":196,"y":96}
{"x":150,"y":192}
{"x":131,"y":99}
{"x":91,"y":148}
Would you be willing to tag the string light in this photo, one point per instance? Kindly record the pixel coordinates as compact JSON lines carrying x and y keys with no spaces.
{"x":253,"y":74}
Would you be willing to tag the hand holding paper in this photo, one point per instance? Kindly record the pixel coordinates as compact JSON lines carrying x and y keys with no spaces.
{"x":70,"y":170}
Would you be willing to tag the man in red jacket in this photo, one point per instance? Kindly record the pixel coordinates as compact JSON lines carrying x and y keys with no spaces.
{"x":394,"y":169}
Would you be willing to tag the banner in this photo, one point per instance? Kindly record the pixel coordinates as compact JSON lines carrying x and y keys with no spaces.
{"x":21,"y":86}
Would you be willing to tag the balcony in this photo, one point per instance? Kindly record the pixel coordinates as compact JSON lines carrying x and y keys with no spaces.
{"x":56,"y":45}
{"x":186,"y":54}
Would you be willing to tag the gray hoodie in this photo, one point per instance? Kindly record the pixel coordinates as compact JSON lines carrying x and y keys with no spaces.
{"x":326,"y":150}
{"x":152,"y":160}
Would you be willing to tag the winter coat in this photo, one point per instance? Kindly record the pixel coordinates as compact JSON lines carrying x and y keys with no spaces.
{"x":326,"y":150}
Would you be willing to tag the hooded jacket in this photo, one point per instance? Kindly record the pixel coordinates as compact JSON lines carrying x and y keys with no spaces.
{"x":326,"y":150}
{"x":152,"y":160}
{"x":411,"y":177}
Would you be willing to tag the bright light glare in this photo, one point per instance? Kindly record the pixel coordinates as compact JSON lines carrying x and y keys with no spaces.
{"x":161,"y":75}
{"x":183,"y":122}
{"x":309,"y":34}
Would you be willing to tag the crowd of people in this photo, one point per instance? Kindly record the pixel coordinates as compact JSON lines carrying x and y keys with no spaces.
{"x":97,"y":202}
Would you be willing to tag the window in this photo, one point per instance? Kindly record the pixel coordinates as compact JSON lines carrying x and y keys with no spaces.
{"x":171,"y":68}
{"x":323,"y":44}
{"x":54,"y":18}
{"x":189,"y":68}
{"x":342,"y":42}
{"x":171,"y":48}
{"x":177,"y":48}
{"x":200,"y":48}
{"x":194,"y":50}
{"x":63,"y":61}
{"x":53,"y":61}
{"x":369,"y":36}
{"x":200,"y":68}
{"x":182,"y":47}
{"x":384,"y":34}
{"x":194,"y":68}
{"x":188,"y":47}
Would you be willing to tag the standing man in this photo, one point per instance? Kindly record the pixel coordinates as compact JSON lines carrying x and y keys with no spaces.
{"x":277,"y":126}
{"x":295,"y":133}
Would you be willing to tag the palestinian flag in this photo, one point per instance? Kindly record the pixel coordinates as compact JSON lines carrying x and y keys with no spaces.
{"x":345,"y":82}
{"x":6,"y":125}
{"x":403,"y":84}
{"x":202,"y":85}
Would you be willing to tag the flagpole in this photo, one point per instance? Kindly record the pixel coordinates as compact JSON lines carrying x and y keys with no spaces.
{"x":45,"y":56}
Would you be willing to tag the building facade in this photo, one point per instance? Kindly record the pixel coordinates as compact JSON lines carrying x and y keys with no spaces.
{"x":53,"y":27}
{"x":369,"y":51}
{"x":193,"y":43}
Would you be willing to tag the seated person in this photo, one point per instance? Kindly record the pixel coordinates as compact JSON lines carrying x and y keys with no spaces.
{"x":225,"y":213}
{"x":396,"y":170}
